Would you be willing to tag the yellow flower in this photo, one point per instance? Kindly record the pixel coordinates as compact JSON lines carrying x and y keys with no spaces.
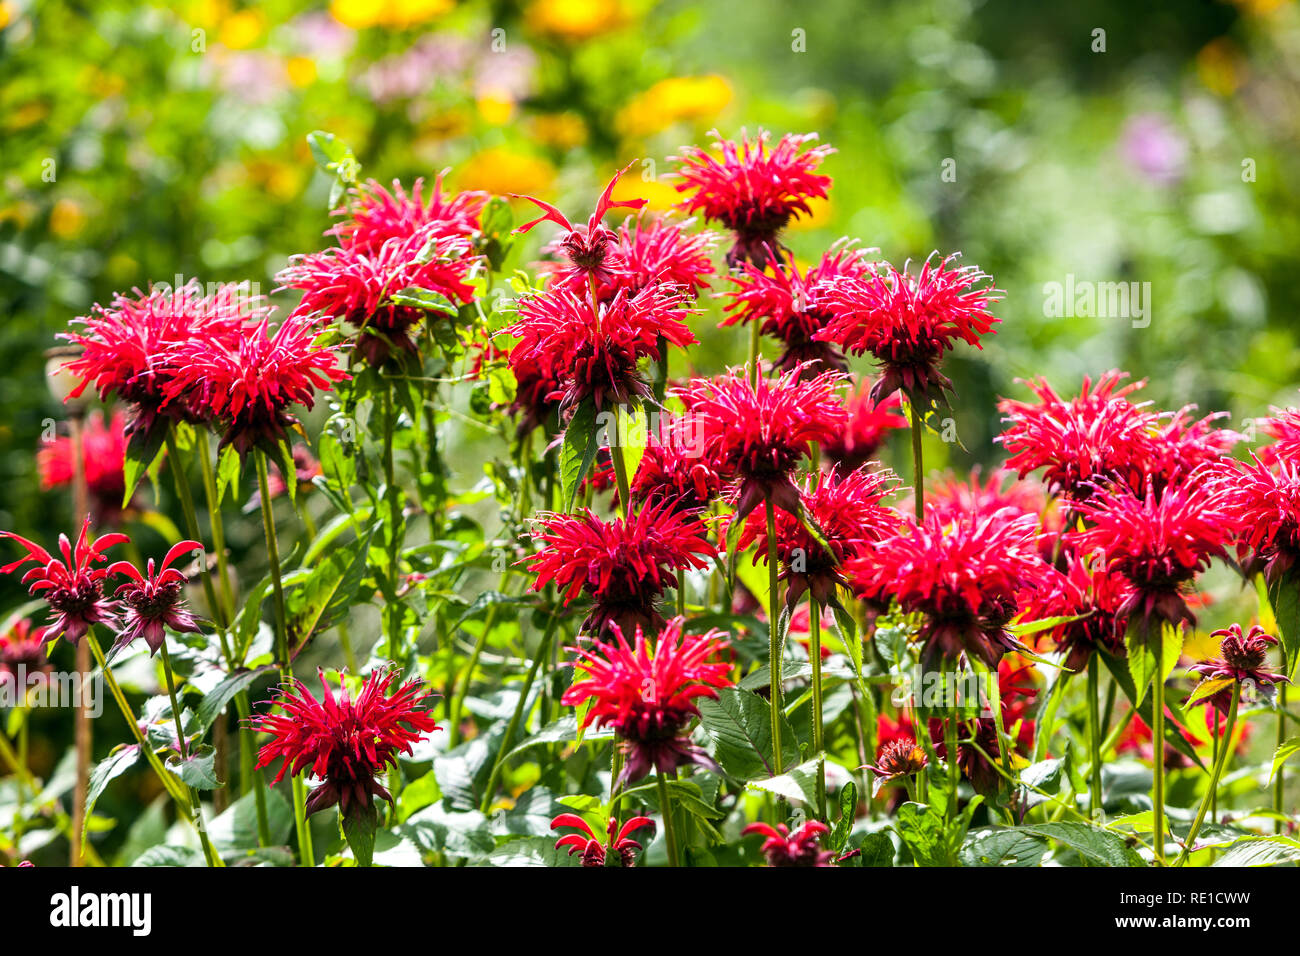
{"x":301,"y":70}
{"x":576,"y":19}
{"x":659,"y":196}
{"x":822,"y":214}
{"x":1219,"y":64}
{"x":6,"y":14}
{"x":241,"y":30}
{"x":501,"y":171}
{"x":496,"y":108}
{"x":561,"y":130}
{"x":66,"y":219}
{"x":395,"y":14}
{"x":672,"y":100}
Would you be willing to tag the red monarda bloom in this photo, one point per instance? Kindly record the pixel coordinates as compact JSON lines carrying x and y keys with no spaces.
{"x":752,"y":188}
{"x":539,"y":385}
{"x":355,"y":285}
{"x":648,"y":696}
{"x":596,"y":350}
{"x":967,"y":576}
{"x":592,"y":850}
{"x":1284,"y":428}
{"x":848,"y":510}
{"x":590,"y":250}
{"x":251,"y":385}
{"x":374,"y":215}
{"x":127,"y":348}
{"x":103,"y":451}
{"x":624,"y":564}
{"x":793,"y":308}
{"x":800,"y":848}
{"x":1095,"y":595}
{"x":345,"y":743}
{"x":661,"y":252}
{"x":1097,"y":436}
{"x":74,"y":587}
{"x":1264,"y":504}
{"x":1242,"y":658}
{"x":1181,"y":445}
{"x":674,"y":466}
{"x":756,"y":434}
{"x":22,"y":655}
{"x":909,"y":322}
{"x":868,"y":427}
{"x":154,"y":601}
{"x":898,"y":759}
{"x":1159,"y":544}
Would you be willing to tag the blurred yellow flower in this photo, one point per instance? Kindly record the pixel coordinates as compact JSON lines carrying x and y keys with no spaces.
{"x":561,"y":130}
{"x":29,"y":114}
{"x":20,"y":213}
{"x":1199,"y":646}
{"x":659,"y":196}
{"x":395,"y":14}
{"x":301,"y":70}
{"x":6,"y":14}
{"x":241,"y":30}
{"x":672,"y":100}
{"x":96,"y":82}
{"x":281,"y":180}
{"x":66,"y":219}
{"x":1219,"y":65}
{"x":576,"y":19}
{"x":500,"y":171}
{"x":822,"y":212}
{"x":496,"y":109}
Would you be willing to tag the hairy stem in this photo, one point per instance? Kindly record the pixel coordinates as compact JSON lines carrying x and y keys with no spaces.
{"x":1220,"y":761}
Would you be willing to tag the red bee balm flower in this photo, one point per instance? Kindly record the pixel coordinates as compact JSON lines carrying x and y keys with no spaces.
{"x":592,"y":850}
{"x":868,"y":427}
{"x":801,"y":848}
{"x":22,"y":655}
{"x":1242,"y":658}
{"x":847,"y":509}
{"x":756,"y":434}
{"x":966,"y":576}
{"x":1094,"y":594}
{"x":375,"y":215}
{"x":73,"y":588}
{"x":103,"y":449}
{"x":595,"y":350}
{"x":755,"y":189}
{"x":661,"y":253}
{"x":908,"y":322}
{"x":346,"y":743}
{"x":624,"y":564}
{"x":154,"y":601}
{"x":252,"y":384}
{"x":648,"y":697}
{"x":1264,"y":504}
{"x":674,"y":467}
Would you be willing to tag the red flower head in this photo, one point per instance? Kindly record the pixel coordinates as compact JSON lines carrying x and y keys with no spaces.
{"x":346,"y":743}
{"x":374,"y":215}
{"x":794,"y":308}
{"x":847,"y":509}
{"x":755,"y":190}
{"x":588,"y":249}
{"x":801,"y":848}
{"x":674,"y":466}
{"x":756,"y":434}
{"x":73,"y":588}
{"x":648,"y":696}
{"x":22,"y":655}
{"x":1242,"y":658}
{"x":869,"y":424}
{"x":539,"y":385}
{"x":251,"y":385}
{"x":103,"y":450}
{"x":1097,"y":596}
{"x":966,"y":576}
{"x":595,"y":351}
{"x":355,"y":284}
{"x":899,"y":758}
{"x":661,"y":252}
{"x":624,"y":564}
{"x":1157,"y":544}
{"x":1098,"y":436}
{"x":155,"y":601}
{"x":127,"y":349}
{"x":908,"y":322}
{"x":1284,"y":428}
{"x":1180,"y":446}
{"x":1264,"y":504}
{"x":592,"y":850}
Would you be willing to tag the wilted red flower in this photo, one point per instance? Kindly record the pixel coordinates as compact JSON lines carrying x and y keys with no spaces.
{"x":127,"y":348}
{"x":848,"y":511}
{"x":793,"y":308}
{"x":624,"y":564}
{"x":908,"y":322}
{"x":1157,"y":543}
{"x":251,"y":385}
{"x":594,"y":351}
{"x":22,"y":655}
{"x":868,"y":426}
{"x":1242,"y":658}
{"x":356,"y":285}
{"x":154,"y":601}
{"x":801,"y":848}
{"x":755,"y":434}
{"x":1098,"y":436}
{"x":73,"y":588}
{"x":648,"y":696}
{"x":1093,"y":593}
{"x":374,"y":215}
{"x":897,"y":759}
{"x":592,"y":850}
{"x":674,"y":466}
{"x":103,"y":455}
{"x":967,"y":576}
{"x":346,"y":743}
{"x":1264,"y":505}
{"x":588,"y":249}
{"x":755,"y":190}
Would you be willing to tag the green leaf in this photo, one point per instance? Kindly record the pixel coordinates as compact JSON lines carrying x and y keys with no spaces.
{"x":1260,"y":851}
{"x":142,"y":450}
{"x":1097,"y":846}
{"x":172,"y":856}
{"x":564,"y":730}
{"x":111,"y":767}
{"x":844,"y":826}
{"x":227,"y":472}
{"x":359,"y":828}
{"x":198,"y":769}
{"x":1009,"y":848}
{"x":323,"y":598}
{"x":215,"y":700}
{"x":426,"y":299}
{"x":797,"y":785}
{"x":1285,"y":751}
{"x":532,"y":851}
{"x":1208,"y":688}
{"x":581,"y":440}
{"x":739,"y":725}
{"x":236,"y":828}
{"x":922,"y":828}
{"x":334,"y":157}
{"x":1284,"y":598}
{"x":877,"y":850}
{"x":1142,"y":642}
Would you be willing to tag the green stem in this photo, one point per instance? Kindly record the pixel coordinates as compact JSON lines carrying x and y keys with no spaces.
{"x":1279,"y":782}
{"x":754,"y":336}
{"x":1219,"y":763}
{"x":774,"y":637}
{"x":620,"y":463}
{"x":666,"y":810}
{"x":462,"y":686}
{"x":815,"y":653}
{"x":1094,"y":741}
{"x":918,"y":469}
{"x":954,"y":768}
{"x":1158,"y":744}
{"x":392,"y":610}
